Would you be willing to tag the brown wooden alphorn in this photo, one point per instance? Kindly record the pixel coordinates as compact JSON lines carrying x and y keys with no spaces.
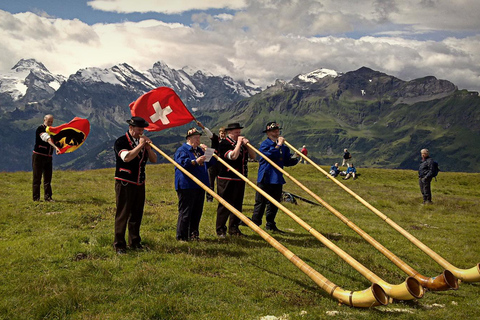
{"x":467,"y":275}
{"x":444,"y":281}
{"x":408,"y":290}
{"x":370,"y":297}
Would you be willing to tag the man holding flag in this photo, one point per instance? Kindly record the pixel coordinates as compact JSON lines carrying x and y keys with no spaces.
{"x":132,"y":151}
{"x":156,"y":110}
{"x":42,"y":160}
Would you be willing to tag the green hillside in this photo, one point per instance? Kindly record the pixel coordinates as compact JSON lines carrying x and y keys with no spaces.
{"x":57,"y":259}
{"x":379,"y":132}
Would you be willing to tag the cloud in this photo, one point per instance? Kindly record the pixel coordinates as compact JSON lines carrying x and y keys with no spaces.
{"x":265,"y":41}
{"x":164,"y":6}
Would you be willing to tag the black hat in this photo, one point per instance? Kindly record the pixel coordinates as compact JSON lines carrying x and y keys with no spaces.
{"x":138,"y":122}
{"x":232,"y":126}
{"x":271,"y":126}
{"x":192,"y":132}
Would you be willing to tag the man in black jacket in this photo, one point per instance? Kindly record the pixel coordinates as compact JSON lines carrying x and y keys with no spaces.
{"x":425,"y":175}
{"x":42,"y":160}
{"x":132,"y":150}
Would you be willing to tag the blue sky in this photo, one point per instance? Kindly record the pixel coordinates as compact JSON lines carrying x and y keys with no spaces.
{"x":261,"y":40}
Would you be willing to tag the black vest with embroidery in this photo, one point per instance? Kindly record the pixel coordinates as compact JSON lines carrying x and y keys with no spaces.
{"x":240,"y":164}
{"x":134,"y":170}
{"x":42,"y":147}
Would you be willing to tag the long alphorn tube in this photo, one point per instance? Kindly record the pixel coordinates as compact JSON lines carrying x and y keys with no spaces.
{"x":442,"y":282}
{"x":367,"y":298}
{"x":408,"y":290}
{"x":467,"y":275}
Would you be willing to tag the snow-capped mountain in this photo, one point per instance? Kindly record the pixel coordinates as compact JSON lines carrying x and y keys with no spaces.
{"x":315,"y":75}
{"x":314,"y":78}
{"x":29,"y":81}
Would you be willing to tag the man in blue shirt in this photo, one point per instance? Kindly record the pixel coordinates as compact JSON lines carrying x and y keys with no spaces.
{"x":190,"y":195}
{"x":270,"y":179}
{"x":351,"y":172}
{"x":334,"y":171}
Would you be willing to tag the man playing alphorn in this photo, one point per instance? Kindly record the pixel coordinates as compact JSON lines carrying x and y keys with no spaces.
{"x":230,"y":187}
{"x":270,"y":179}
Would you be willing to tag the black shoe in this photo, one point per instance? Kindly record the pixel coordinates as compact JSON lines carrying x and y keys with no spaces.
{"x":274,"y":229}
{"x":236,"y":233}
{"x":137,"y":246}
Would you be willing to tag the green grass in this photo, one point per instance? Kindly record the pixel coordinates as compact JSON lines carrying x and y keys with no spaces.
{"x":57,"y":259}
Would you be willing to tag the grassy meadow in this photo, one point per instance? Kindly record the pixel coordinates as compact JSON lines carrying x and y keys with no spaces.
{"x":57,"y":260}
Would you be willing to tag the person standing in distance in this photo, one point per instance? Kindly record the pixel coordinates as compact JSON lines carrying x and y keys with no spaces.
{"x":304,"y":151}
{"x":42,"y":160}
{"x":269,"y":178}
{"x":132,"y":151}
{"x":346,"y":157}
{"x":425,"y":175}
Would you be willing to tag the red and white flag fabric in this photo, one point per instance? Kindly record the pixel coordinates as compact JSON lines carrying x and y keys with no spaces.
{"x":70,"y":136}
{"x":162,"y":109}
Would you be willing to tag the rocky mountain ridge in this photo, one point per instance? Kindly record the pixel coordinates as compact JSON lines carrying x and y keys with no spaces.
{"x":383,"y":118}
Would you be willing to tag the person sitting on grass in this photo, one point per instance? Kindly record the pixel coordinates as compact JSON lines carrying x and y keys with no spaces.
{"x":334,"y":171}
{"x":351,"y":172}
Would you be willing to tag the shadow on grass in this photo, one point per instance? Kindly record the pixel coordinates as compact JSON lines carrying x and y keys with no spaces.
{"x":306,"y":240}
{"x":305,"y":286}
{"x":89,"y":200}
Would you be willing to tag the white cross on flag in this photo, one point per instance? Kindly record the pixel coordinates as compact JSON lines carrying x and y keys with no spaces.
{"x":162,"y":109}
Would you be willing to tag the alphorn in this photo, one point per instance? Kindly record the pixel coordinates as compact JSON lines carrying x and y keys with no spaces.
{"x":444,"y":281}
{"x":408,"y":290}
{"x":467,"y":275}
{"x":370,"y":297}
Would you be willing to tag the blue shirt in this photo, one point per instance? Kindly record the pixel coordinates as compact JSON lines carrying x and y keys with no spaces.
{"x":184,"y":156}
{"x":351,"y":170}
{"x":335,"y":169}
{"x":281,"y":156}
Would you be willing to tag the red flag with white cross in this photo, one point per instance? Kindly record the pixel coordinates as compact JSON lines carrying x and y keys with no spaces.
{"x":162,"y":109}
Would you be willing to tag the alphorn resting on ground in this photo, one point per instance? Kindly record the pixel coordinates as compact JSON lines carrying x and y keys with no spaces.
{"x":446,"y":280}
{"x":467,"y":275}
{"x":408,"y":290}
{"x":370,"y":297}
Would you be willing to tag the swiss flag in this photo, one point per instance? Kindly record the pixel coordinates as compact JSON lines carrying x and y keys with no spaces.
{"x":162,"y":109}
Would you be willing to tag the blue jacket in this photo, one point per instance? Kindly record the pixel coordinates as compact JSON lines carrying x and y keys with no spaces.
{"x":351,"y":170}
{"x":334,"y":168}
{"x":184,"y":156}
{"x":266,"y":172}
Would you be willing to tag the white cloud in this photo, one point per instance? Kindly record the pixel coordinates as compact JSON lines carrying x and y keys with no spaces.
{"x":266,"y":40}
{"x":164,"y":6}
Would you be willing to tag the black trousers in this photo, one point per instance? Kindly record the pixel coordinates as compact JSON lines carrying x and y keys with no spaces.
{"x":130,"y":202}
{"x":190,"y":208}
{"x":42,"y":165}
{"x":232,"y":191}
{"x":212,"y":175}
{"x":425,"y":188}
{"x":273,"y":190}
